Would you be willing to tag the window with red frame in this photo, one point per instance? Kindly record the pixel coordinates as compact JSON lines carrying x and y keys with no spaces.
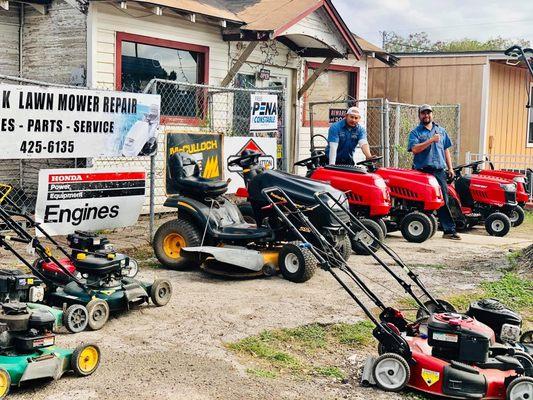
{"x":140,"y":59}
{"x":335,"y":83}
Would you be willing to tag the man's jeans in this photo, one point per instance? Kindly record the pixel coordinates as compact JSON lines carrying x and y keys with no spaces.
{"x":444,"y":214}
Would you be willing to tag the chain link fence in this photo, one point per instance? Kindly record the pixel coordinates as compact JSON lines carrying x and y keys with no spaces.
{"x":387,"y":124}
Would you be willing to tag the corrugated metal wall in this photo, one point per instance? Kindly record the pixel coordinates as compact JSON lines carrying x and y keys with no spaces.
{"x":435,"y":80}
{"x":507,"y":123}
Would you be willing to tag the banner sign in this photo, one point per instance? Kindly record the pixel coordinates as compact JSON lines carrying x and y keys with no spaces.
{"x":86,"y":199}
{"x":234,"y":146}
{"x":205,"y":148}
{"x":264,"y":112}
{"x":336,"y":114}
{"x":49,"y":122}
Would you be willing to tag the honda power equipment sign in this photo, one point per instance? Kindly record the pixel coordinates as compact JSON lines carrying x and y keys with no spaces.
{"x":234,"y":146}
{"x":85,"y":199}
{"x":205,"y":149}
{"x":40,"y":122}
{"x":264,"y":112}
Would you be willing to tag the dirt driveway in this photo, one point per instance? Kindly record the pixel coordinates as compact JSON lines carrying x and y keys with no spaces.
{"x":177,"y":352}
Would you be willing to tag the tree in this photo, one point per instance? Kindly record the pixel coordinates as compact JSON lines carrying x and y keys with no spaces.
{"x":419,"y":43}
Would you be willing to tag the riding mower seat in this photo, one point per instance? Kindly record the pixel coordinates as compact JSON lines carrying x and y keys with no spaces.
{"x":187,"y":179}
{"x":348,"y":168}
{"x":238,"y":231}
{"x":97,"y":265}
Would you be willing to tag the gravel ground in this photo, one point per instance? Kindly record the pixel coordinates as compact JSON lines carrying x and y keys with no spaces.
{"x":177,"y":351}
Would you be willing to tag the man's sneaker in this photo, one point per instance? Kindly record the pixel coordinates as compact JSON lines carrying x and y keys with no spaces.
{"x":452,"y":236}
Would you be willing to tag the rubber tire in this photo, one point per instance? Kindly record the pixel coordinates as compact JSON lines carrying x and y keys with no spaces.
{"x":526,"y":360}
{"x":383,"y":226}
{"x":427,"y":227}
{"x":344,"y":247}
{"x":432,"y":308}
{"x":402,"y":362}
{"x":305,"y":259}
{"x":8,"y":381}
{"x":155,"y":296}
{"x":187,"y":230}
{"x":434,"y":223}
{"x":91,"y":306}
{"x":247,"y":212}
{"x":520,"y":216}
{"x":376,"y":230}
{"x":75,"y":356}
{"x":498,"y":216}
{"x":516,"y":382}
{"x":67,"y":314}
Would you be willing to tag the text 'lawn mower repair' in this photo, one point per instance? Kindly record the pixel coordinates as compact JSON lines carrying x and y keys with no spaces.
{"x":81,"y":199}
{"x":39,"y":122}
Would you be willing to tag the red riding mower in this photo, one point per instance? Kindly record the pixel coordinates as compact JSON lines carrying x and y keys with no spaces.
{"x":444,"y":353}
{"x":476,"y":199}
{"x":367,"y":194}
{"x":523,"y":187}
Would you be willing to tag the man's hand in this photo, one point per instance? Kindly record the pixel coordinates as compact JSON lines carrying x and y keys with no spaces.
{"x":451,"y":172}
{"x":435,"y":138}
{"x":370,"y":156}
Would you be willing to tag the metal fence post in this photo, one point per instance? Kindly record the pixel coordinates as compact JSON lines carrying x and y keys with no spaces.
{"x":397,"y":136}
{"x":386,"y":142}
{"x":152,"y":197}
{"x":468,"y":157}
{"x":458,"y":144}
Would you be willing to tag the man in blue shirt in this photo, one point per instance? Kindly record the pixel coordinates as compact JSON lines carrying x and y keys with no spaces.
{"x":343,"y":138}
{"x":430,"y":145}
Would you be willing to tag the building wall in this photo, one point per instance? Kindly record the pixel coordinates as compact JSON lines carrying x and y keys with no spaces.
{"x":9,"y":40}
{"x":436,"y":80}
{"x":507,"y":121}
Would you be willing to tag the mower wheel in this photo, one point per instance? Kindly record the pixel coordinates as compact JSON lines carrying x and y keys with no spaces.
{"x":448,"y":307}
{"x":416,"y":227}
{"x":247,"y":212}
{"x":170,"y":238}
{"x":5,"y":383}
{"x":520,"y":389}
{"x":297,"y":264}
{"x":75,"y":318}
{"x":526,"y":360}
{"x":498,"y":224}
{"x":383,"y":226}
{"x":517,"y":216}
{"x":85,"y":359}
{"x":98,"y":310}
{"x":391,"y":372}
{"x":434,"y":224}
{"x":371,"y":240}
{"x":344,"y":247}
{"x":161,"y":292}
{"x":132,"y":269}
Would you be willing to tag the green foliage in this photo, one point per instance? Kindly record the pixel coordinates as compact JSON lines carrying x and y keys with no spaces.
{"x":261,"y":373}
{"x":331,"y":372}
{"x":420,"y":42}
{"x":512,"y":290}
{"x":513,"y":258}
{"x":260,"y":348}
{"x":354,"y":334}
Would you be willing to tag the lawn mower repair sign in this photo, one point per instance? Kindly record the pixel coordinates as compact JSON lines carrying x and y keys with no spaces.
{"x":41,"y":122}
{"x":205,"y":148}
{"x":264,"y":112}
{"x":84,"y":199}
{"x":234,"y":146}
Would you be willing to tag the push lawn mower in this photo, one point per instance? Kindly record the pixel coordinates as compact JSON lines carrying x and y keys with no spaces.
{"x":476,"y":199}
{"x":98,"y":288}
{"x":27,"y":350}
{"x":210,"y":230}
{"x":367,"y":194}
{"x":445,"y":354}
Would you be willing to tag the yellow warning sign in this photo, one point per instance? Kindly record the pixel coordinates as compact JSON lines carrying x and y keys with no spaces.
{"x":430,"y":377}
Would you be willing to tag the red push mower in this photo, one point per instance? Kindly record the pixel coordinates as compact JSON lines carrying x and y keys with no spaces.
{"x":445,"y":354}
{"x":477,"y":199}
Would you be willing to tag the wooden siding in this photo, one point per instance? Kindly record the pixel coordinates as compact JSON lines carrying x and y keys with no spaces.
{"x":507,"y":121}
{"x":9,"y":40}
{"x":436,"y":80}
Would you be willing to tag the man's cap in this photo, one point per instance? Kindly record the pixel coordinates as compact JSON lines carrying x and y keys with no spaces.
{"x":353,"y":111}
{"x":424,"y":107}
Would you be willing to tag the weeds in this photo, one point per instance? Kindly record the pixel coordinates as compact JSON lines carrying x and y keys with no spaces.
{"x":330,"y":372}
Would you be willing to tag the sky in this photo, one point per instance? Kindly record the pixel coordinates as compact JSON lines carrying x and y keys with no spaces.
{"x":441,"y":19}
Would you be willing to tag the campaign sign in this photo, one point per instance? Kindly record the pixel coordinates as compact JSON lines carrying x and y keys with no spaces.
{"x":86,"y":199}
{"x":336,"y":114}
{"x":51,"y":122}
{"x":264,"y":112}
{"x":204,"y":148}
{"x":235,"y":145}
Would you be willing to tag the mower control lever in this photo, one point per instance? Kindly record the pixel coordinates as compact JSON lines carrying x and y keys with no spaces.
{"x":277,"y":203}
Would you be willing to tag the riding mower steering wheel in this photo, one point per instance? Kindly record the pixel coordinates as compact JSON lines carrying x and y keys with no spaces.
{"x":371,"y":163}
{"x":312,"y":162}
{"x":247,"y":158}
{"x":318,"y":135}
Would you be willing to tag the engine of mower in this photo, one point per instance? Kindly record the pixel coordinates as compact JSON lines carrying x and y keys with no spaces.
{"x":24,"y":331}
{"x":503,"y":321}
{"x":16,"y":285}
